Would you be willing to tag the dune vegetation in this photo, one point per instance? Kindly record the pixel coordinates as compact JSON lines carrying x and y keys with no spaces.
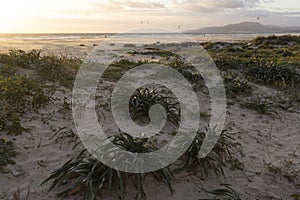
{"x":253,"y":73}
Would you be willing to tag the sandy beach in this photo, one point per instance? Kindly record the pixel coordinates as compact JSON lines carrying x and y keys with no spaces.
{"x":262,"y":117}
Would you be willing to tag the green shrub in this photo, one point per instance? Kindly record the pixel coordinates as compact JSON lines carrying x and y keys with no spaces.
{"x":13,"y":126}
{"x":7,"y":70}
{"x":236,"y":85}
{"x":7,"y":152}
{"x":274,"y":74}
{"x":22,"y":93}
{"x":18,"y":94}
{"x":4,"y":113}
{"x":295,"y":196}
{"x":153,"y":52}
{"x":230,"y":62}
{"x":285,"y":53}
{"x":58,"y":69}
{"x":276,"y":40}
{"x":20,"y":58}
{"x":118,"y":68}
{"x":190,"y":73}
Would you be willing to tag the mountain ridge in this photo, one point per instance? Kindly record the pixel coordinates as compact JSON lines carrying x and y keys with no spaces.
{"x":245,"y":27}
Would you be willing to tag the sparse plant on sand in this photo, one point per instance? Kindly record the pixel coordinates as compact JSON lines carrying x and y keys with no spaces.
{"x":285,"y":170}
{"x":14,"y":126}
{"x":115,"y":71}
{"x":224,"y":193}
{"x":64,"y":135}
{"x":236,"y":85}
{"x":268,"y":104}
{"x":214,"y":161}
{"x":190,"y":73}
{"x":262,"y":105}
{"x":296,"y":196}
{"x":273,"y":73}
{"x":205,"y":115}
{"x":90,"y":176}
{"x":143,"y":98}
{"x":7,"y":152}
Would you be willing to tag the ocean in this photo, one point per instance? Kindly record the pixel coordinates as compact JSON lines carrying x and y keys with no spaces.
{"x":79,"y":44}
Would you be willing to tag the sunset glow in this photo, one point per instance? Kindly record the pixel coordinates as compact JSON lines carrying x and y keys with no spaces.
{"x":19,"y":16}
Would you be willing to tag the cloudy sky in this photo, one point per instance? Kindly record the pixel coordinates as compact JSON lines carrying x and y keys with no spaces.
{"x":38,"y":16}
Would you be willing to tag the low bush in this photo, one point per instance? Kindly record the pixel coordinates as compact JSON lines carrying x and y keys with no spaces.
{"x":20,"y":58}
{"x":7,"y":152}
{"x":276,"y":40}
{"x":58,"y":69}
{"x":22,"y":93}
{"x":274,"y":74}
{"x":236,"y":85}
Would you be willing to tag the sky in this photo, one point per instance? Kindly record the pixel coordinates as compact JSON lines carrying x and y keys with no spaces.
{"x":106,"y":16}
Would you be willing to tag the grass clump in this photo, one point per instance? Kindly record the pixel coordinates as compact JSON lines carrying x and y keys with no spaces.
{"x":18,"y":95}
{"x":21,"y":92}
{"x":4,"y":112}
{"x":64,"y":136}
{"x":58,"y":69}
{"x":267,"y":105}
{"x":143,"y":98}
{"x":295,"y":196}
{"x":274,"y":74}
{"x":153,"y":52}
{"x":224,"y":193}
{"x":236,"y":86}
{"x":117,"y":69}
{"x":285,"y":170}
{"x":229,"y":62}
{"x":91,"y":176}
{"x":7,"y":152}
{"x":276,"y":40}
{"x":262,"y":105}
{"x":7,"y":70}
{"x":14,"y":127}
{"x":214,"y":161}
{"x":190,"y":73}
{"x":20,"y":58}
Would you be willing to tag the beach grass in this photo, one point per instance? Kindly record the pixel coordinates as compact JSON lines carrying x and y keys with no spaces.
{"x":268,"y":65}
{"x":90,"y":176}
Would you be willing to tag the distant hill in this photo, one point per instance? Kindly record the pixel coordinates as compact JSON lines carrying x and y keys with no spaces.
{"x":246,"y":27}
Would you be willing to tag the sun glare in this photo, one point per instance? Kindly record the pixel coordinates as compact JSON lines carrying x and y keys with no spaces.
{"x":10,"y":11}
{"x":13,"y":11}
